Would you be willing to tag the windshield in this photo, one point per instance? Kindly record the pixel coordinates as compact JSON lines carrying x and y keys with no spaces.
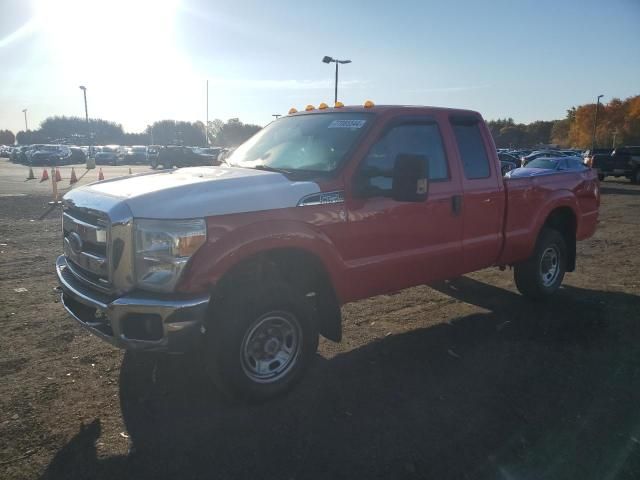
{"x":315,"y":143}
{"x":549,"y":163}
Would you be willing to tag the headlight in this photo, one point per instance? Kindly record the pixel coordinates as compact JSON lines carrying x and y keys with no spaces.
{"x":163,"y":248}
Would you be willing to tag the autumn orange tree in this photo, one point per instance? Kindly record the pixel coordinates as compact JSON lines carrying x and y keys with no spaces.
{"x":618,"y":118}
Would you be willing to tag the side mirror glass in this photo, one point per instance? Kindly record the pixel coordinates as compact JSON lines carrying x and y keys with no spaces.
{"x":410,"y":178}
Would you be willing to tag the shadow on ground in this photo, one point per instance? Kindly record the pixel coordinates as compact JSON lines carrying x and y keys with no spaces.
{"x":523,"y":391}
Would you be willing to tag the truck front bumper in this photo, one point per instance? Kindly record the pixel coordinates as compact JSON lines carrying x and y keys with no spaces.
{"x":135,"y":321}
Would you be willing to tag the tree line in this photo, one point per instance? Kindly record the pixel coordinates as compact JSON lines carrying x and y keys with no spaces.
{"x":618,"y":124}
{"x":76,"y":130}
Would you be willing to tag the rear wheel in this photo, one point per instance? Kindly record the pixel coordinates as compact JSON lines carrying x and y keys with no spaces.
{"x":542,"y":274}
{"x":260,"y":340}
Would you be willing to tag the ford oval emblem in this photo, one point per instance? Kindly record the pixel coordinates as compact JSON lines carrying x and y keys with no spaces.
{"x":75,"y":242}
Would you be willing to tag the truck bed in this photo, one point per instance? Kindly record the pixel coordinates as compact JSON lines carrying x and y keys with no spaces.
{"x":531,"y":200}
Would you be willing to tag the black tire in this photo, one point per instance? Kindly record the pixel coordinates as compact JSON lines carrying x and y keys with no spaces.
{"x":601,"y":177}
{"x":247,"y":323}
{"x":533,"y":277}
{"x":154,"y":164}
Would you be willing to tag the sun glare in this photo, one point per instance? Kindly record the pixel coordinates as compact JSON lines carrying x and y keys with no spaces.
{"x":107,"y":30}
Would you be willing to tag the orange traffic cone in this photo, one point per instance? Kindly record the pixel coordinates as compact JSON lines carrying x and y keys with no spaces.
{"x":74,"y":179}
{"x":45,"y":176}
{"x":31,"y":175}
{"x":58,"y":176}
{"x":100,"y":175}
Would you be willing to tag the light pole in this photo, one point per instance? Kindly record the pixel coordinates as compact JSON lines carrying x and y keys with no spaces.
{"x":615,"y":134}
{"x":337,"y":62}
{"x":86,"y":112}
{"x":206,"y":127}
{"x":26,"y":126}
{"x":86,"y":117}
{"x":595,"y":124}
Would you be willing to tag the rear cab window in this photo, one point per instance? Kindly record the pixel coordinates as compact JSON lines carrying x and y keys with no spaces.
{"x":472,"y":148}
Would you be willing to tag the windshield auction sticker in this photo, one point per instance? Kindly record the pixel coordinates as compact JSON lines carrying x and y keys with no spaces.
{"x":347,"y":124}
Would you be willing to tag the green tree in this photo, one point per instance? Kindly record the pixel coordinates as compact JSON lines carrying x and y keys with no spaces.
{"x":560,"y":132}
{"x":172,"y":132}
{"x":232,"y":133}
{"x":7,"y":137}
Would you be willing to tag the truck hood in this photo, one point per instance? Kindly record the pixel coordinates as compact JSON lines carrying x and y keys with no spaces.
{"x":200,"y":192}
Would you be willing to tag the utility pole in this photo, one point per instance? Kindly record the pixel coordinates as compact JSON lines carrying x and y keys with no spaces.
{"x":86,"y":117}
{"x":595,"y":124}
{"x":206,"y":127}
{"x":26,"y":125}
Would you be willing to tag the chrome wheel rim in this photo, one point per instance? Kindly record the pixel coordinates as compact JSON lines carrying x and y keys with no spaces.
{"x":270,"y":347}
{"x":550,"y":266}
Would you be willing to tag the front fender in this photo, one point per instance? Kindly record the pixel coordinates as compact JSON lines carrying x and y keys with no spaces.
{"x":228,"y":245}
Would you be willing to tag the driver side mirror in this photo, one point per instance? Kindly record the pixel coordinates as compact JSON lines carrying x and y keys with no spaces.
{"x":410,"y":178}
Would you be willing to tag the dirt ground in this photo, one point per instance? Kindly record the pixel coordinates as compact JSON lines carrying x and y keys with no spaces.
{"x":464,"y":380}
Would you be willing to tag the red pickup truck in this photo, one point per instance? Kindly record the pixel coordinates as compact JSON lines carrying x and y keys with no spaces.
{"x":250,"y":261}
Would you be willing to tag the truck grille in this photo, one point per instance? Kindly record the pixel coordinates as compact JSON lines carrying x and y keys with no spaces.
{"x":85,"y":240}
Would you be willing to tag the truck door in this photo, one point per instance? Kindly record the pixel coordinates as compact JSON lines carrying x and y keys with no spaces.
{"x":483,"y":200}
{"x":397,"y":244}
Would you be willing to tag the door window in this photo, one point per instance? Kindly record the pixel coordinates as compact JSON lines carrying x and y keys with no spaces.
{"x":375,"y":174}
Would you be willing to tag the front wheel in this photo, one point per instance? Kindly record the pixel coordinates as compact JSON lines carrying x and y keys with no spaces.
{"x":260,"y":340}
{"x":542,"y":274}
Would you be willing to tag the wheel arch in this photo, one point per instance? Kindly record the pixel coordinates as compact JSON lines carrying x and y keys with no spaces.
{"x":299,"y":267}
{"x":564,"y":220}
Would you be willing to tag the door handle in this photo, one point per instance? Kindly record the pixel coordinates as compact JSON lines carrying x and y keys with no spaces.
{"x":456,"y":204}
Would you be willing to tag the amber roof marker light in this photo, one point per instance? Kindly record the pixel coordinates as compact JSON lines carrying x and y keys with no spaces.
{"x":327,"y":59}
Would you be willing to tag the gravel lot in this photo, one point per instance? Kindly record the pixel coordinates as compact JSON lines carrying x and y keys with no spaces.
{"x":465,"y":379}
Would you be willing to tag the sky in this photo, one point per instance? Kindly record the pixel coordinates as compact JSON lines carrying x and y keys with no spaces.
{"x":147,"y":60}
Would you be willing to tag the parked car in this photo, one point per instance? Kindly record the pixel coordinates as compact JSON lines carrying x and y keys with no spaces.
{"x":546,"y":165}
{"x":110,"y":155}
{"x":18,"y":154}
{"x":78,"y":155}
{"x":31,"y":149}
{"x":136,"y":154}
{"x":5,"y":151}
{"x":622,"y":162}
{"x":53,"y":155}
{"x":508,"y":162}
{"x":540,"y":154}
{"x":213,"y":151}
{"x":179,"y":156}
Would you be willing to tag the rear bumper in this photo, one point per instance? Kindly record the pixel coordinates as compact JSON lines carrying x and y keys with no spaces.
{"x":135,"y":321}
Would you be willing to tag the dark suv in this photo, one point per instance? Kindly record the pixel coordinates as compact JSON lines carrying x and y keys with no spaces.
{"x":178,"y":156}
{"x":622,"y":162}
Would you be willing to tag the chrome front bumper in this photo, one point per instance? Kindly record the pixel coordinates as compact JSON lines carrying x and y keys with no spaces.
{"x":135,"y":321}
